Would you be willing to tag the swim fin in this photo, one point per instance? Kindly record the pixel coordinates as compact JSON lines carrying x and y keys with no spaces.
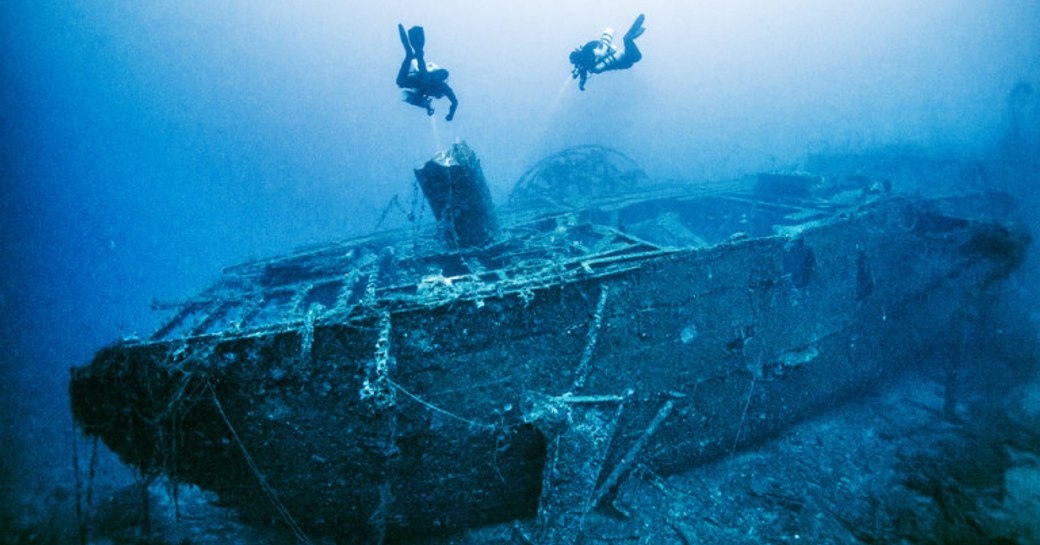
{"x":637,"y":28}
{"x":418,"y":38}
{"x":404,"y":40}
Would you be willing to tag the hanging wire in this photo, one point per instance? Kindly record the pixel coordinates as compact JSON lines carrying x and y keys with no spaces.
{"x":268,"y":490}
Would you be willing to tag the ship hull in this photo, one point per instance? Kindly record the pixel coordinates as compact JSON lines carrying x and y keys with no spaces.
{"x":401,"y":422}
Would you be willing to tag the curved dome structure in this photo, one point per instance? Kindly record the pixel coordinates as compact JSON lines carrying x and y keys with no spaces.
{"x":576,"y":176}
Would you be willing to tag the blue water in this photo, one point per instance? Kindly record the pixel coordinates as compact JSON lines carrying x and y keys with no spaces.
{"x":147,"y":145}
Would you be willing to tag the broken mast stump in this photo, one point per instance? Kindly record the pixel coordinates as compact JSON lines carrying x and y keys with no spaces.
{"x":456,"y":191}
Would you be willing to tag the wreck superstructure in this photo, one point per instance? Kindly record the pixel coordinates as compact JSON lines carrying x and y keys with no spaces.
{"x":407,"y":383}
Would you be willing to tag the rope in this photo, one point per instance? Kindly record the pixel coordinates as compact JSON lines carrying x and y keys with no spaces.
{"x":171,"y":405}
{"x":270,"y":492}
{"x":743,"y":415}
{"x":435,"y":408}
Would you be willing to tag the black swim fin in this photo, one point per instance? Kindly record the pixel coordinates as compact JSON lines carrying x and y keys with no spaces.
{"x":417,"y":36}
{"x":404,"y":40}
{"x":637,"y":28}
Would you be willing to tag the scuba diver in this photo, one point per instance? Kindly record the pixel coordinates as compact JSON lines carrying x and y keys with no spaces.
{"x":601,"y":55}
{"x":422,"y":80}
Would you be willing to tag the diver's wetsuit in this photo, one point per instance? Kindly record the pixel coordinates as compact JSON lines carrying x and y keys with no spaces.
{"x":419,"y":79}
{"x":603,"y":55}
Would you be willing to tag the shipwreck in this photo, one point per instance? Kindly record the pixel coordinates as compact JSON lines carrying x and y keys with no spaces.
{"x":519,"y":363}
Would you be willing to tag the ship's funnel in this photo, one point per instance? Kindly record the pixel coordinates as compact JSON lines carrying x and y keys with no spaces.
{"x":455,"y":188}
